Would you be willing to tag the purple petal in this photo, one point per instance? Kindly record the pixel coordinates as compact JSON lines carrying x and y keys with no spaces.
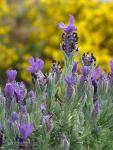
{"x":31,"y":60}
{"x":29,"y":69}
{"x":111,"y":65}
{"x":85,"y":70}
{"x":61,"y":25}
{"x":95,"y":73}
{"x":9,"y":90}
{"x":40,"y":63}
{"x":11,"y":74}
{"x":25,"y":130}
{"x":103,"y":75}
{"x":71,"y":20}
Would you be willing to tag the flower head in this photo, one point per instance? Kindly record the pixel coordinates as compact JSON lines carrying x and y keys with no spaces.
{"x":85,"y":70}
{"x":36,"y":66}
{"x":11,"y":74}
{"x":98,"y":74}
{"x":9,"y":90}
{"x":70,"y":28}
{"x":25,"y":130}
{"x":88,"y":59}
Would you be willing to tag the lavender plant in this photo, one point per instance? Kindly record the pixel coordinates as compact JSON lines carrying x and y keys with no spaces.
{"x":65,"y":110}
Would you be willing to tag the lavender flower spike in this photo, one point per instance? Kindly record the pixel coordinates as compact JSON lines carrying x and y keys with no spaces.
{"x":11,"y":74}
{"x":85,"y":70}
{"x":70,"y":28}
{"x":25,"y":130}
{"x":98,"y":74}
{"x":9,"y":90}
{"x":36,"y":66}
{"x":96,"y":110}
{"x":111,"y":66}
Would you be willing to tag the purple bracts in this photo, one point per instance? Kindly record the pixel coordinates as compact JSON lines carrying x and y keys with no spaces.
{"x":26,"y":130}
{"x":85,"y":70}
{"x":9,"y":90}
{"x":36,"y":65}
{"x":98,"y":74}
{"x":70,"y":28}
{"x":11,"y":75}
{"x":70,"y":82}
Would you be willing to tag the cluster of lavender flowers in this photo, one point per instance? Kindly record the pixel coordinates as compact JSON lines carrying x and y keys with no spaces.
{"x":65,"y":109}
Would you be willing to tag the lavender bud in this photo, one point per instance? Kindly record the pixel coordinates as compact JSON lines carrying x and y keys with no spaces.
{"x":70,"y":80}
{"x":85,"y":70}
{"x":111,"y":66}
{"x":9,"y":90}
{"x":36,"y":65}
{"x":69,"y":91}
{"x":11,"y":74}
{"x":74,"y":69}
